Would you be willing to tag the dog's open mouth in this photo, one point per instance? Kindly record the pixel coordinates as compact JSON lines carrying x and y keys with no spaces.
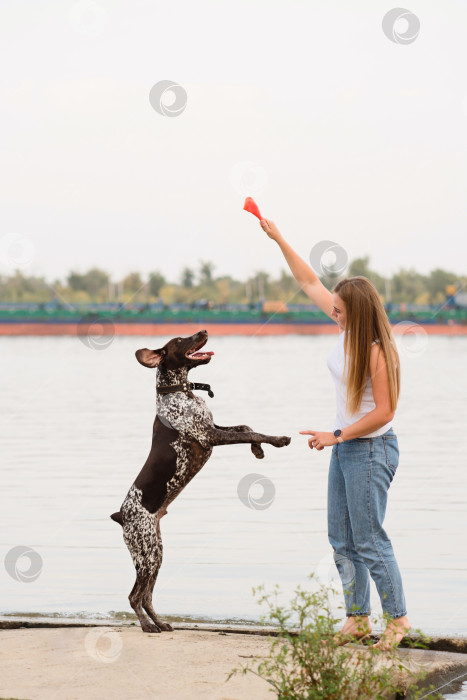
{"x":196,"y":355}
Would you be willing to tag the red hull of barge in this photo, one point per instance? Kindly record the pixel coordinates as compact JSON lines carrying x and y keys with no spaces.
{"x":171,"y":329}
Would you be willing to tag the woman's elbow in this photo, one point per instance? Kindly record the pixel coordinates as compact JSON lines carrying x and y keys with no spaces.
{"x":384,"y":414}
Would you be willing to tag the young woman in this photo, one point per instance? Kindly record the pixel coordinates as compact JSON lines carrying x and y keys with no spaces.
{"x":365,"y":367}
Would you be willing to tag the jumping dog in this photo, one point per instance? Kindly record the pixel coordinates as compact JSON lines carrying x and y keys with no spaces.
{"x":183,"y":437}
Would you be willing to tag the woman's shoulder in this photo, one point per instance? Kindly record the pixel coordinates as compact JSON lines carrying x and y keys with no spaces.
{"x":394,"y":352}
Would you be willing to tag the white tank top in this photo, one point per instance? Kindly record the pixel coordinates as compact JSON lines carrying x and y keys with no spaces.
{"x":335,"y":362}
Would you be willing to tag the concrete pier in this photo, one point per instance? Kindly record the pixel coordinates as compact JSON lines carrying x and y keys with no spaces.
{"x":79,"y":661}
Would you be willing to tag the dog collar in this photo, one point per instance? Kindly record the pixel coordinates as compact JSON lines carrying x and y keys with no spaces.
{"x":186,"y":386}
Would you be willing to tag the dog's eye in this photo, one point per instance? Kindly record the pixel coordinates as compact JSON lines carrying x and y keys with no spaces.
{"x":179,"y":340}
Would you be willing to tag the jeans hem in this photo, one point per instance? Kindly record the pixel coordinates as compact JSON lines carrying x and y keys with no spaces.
{"x":359,"y":614}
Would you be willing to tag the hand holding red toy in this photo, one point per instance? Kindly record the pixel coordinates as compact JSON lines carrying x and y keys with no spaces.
{"x":267,"y":225}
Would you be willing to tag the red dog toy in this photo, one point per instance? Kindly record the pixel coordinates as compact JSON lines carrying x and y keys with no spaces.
{"x":251,"y":206}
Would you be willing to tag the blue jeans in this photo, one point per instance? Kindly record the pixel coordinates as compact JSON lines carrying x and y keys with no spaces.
{"x":360,"y":473}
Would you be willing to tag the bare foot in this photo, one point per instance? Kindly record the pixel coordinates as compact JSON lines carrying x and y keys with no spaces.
{"x":356,"y":627}
{"x":393,"y":634}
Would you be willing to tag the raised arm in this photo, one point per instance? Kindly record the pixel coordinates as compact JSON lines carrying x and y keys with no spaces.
{"x":303,"y":273}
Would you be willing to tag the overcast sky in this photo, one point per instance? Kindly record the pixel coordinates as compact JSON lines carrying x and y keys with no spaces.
{"x":339,"y":133}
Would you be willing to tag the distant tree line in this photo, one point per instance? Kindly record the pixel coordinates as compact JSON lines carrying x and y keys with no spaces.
{"x":96,"y":285}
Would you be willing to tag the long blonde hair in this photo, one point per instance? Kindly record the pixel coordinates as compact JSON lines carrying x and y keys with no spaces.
{"x":366,"y":320}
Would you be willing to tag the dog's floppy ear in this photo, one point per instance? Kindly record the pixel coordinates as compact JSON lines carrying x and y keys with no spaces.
{"x":150,"y":358}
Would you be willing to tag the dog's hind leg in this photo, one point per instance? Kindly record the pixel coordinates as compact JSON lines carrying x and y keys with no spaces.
{"x":141,"y":538}
{"x":147,"y":605}
{"x":147,"y":598}
{"x":135,"y":598}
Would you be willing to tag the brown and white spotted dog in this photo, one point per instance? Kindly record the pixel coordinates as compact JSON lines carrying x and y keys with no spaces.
{"x":183,"y":437}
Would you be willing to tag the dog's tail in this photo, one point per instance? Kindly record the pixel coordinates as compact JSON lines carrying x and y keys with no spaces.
{"x":117,"y":517}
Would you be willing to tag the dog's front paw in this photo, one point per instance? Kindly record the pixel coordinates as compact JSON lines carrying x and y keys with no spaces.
{"x":257,"y":450}
{"x":281,"y":441}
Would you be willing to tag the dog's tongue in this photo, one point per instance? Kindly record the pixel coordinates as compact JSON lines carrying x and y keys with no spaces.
{"x":201,"y":354}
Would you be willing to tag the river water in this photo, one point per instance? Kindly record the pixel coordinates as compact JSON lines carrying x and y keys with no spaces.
{"x":75,"y":430}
